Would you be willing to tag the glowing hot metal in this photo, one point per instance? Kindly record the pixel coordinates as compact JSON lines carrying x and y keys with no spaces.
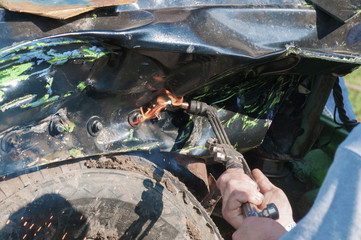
{"x":161,"y":103}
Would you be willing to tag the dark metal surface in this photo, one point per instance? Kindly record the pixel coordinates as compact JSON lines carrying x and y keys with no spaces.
{"x":310,"y":125}
{"x":242,"y":59}
{"x":342,"y":10}
{"x":289,"y":29}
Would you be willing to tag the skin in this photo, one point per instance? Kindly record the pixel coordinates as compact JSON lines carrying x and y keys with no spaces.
{"x":237,"y":188}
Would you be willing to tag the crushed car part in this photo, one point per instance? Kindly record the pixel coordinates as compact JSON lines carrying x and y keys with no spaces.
{"x":247,"y":59}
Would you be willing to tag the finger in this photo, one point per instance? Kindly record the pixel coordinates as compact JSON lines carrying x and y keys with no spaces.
{"x":264,"y":184}
{"x":242,"y":195}
{"x":232,"y":173}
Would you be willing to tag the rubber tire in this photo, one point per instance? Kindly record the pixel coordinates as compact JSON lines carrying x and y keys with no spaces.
{"x":73,"y":201}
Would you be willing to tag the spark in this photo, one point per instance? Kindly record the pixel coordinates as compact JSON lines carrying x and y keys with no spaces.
{"x":25,"y":236}
{"x":8,"y":221}
{"x":32,"y":225}
{"x":39,"y":229}
{"x":64,"y":236}
{"x":25,"y":223}
{"x":49,"y":224}
{"x":81,"y":217}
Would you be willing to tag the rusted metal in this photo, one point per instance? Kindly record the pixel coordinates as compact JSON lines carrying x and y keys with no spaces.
{"x":210,"y":201}
{"x":59,"y":9}
{"x":195,"y":166}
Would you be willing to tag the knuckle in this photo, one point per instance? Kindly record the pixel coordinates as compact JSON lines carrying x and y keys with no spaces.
{"x":232,"y":183}
{"x":241,"y":196}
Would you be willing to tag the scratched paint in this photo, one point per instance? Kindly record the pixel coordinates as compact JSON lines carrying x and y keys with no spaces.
{"x":17,"y":64}
{"x":248,"y":123}
{"x":17,"y":102}
{"x":14,"y":74}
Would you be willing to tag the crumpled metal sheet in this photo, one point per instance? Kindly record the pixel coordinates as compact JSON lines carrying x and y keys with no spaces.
{"x":252,"y":32}
{"x":59,"y":9}
{"x":225,"y":56}
{"x":342,"y":10}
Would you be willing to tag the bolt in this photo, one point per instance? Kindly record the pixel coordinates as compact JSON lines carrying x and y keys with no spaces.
{"x":97,"y":126}
{"x":134,"y":118}
{"x":59,"y":127}
{"x":94,"y":126}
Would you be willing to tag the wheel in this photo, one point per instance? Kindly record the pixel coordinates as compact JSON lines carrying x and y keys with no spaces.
{"x":117,"y":197}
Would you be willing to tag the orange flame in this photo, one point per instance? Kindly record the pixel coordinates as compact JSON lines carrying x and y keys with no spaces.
{"x":161,"y":103}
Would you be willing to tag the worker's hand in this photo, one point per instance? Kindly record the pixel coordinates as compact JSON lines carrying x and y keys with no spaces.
{"x":237,"y":188}
{"x":259,"y":228}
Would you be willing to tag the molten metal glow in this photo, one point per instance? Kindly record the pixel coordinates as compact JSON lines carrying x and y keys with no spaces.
{"x":161,"y":103}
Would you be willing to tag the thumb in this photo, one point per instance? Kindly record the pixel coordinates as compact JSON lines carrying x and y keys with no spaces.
{"x":264,"y":184}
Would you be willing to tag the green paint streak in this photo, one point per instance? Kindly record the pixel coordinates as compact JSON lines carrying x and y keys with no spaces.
{"x":1,"y":95}
{"x":233,"y":119}
{"x":254,"y":109}
{"x":58,"y":59}
{"x":50,"y":83}
{"x":248,"y":71}
{"x":81,"y":86}
{"x":93,"y":54}
{"x":71,"y":127}
{"x":17,"y":102}
{"x":190,"y":121}
{"x":190,"y":148}
{"x":266,"y":124}
{"x":44,"y":99}
{"x":248,"y":124}
{"x":220,"y":109}
{"x":200,"y":96}
{"x":68,"y":94}
{"x":13,"y":74}
{"x":76,"y":152}
{"x":131,"y":137}
{"x":131,"y":134}
{"x":225,"y":99}
{"x":185,"y":136}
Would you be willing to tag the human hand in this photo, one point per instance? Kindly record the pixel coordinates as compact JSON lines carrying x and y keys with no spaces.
{"x":273,"y":194}
{"x":251,"y":230}
{"x":237,"y":188}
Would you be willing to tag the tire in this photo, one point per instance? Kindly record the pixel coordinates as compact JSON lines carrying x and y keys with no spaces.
{"x":119,"y":197}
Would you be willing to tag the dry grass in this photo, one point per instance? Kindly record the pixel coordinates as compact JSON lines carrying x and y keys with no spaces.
{"x":353,"y":80}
